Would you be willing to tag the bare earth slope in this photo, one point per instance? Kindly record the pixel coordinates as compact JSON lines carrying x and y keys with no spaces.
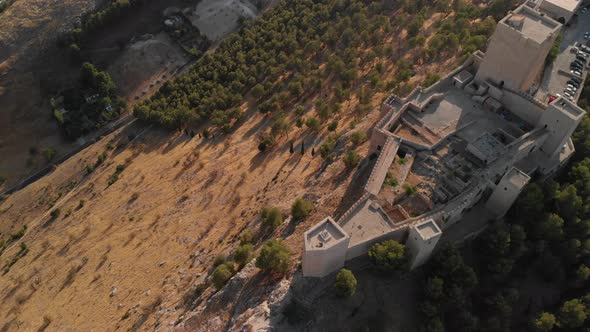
{"x":146,"y":238}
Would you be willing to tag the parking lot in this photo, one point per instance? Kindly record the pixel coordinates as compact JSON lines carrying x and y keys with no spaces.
{"x":558,"y":74}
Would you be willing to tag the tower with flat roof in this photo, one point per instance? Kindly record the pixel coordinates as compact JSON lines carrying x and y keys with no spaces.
{"x":518,"y":48}
{"x":422,"y":239}
{"x":561,"y":10}
{"x":561,"y":118}
{"x":325,"y":248}
{"x":507,"y":191}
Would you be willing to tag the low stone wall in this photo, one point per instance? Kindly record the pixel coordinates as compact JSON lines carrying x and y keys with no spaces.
{"x":379,"y":172}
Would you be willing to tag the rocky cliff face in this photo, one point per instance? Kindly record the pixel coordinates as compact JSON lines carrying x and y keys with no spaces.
{"x":249,"y":302}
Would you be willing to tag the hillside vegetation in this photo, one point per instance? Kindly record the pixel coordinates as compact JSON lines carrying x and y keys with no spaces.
{"x":288,"y":53}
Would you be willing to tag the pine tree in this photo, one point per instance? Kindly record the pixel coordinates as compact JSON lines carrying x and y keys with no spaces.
{"x":302,"y":148}
{"x":312,"y":152}
{"x":291,"y":150}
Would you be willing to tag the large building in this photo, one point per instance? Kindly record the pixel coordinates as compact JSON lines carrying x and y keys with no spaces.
{"x":560,"y":10}
{"x":518,"y":48}
{"x":475,"y":138}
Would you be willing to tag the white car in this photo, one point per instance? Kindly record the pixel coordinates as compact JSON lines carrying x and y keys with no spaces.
{"x":569,"y":86}
{"x":576,"y":72}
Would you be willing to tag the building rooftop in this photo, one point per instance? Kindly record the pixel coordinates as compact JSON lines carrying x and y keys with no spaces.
{"x":517,"y":177}
{"x":486,"y":147}
{"x":569,"y":5}
{"x":531,"y":24}
{"x":454,"y":111}
{"x":427,"y":229}
{"x":464,"y":76}
{"x":569,"y":107}
{"x":324,"y":235}
{"x":367,"y":222}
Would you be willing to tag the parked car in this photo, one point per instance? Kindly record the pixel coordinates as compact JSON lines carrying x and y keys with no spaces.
{"x":576,"y":72}
{"x":573,"y":83}
{"x":587,"y":35}
{"x":569,"y":86}
{"x":581,"y":59}
{"x":582,"y":54}
{"x":577,"y":80}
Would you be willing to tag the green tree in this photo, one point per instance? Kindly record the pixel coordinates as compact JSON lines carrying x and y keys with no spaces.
{"x":243,"y":254}
{"x":280,"y":127}
{"x":389,"y":255}
{"x":572,"y":314}
{"x":352,"y":159}
{"x":529,"y":206}
{"x":544,"y":322}
{"x":313,"y":123}
{"x":301,"y":208}
{"x":583,"y":273}
{"x":222,"y":274}
{"x":272,"y":217}
{"x":246,"y":237}
{"x":345,"y":283}
{"x":333,"y":126}
{"x":569,"y":203}
{"x":258,"y":91}
{"x":434,"y":288}
{"x":327,"y":147}
{"x":220,"y":259}
{"x":551,"y":228}
{"x":274,"y":257}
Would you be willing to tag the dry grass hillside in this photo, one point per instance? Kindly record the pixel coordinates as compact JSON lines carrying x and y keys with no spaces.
{"x":125,"y":255}
{"x":178,"y":203}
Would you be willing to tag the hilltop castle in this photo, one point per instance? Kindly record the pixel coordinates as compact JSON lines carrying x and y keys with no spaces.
{"x":473,"y":139}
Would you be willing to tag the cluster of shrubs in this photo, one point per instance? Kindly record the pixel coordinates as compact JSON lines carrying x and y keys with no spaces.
{"x":89,"y":105}
{"x":274,"y":258}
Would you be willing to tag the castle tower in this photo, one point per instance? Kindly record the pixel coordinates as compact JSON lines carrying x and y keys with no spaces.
{"x":518,"y":49}
{"x":325,"y":249}
{"x":561,"y":118}
{"x":422,"y":239}
{"x":506,"y":191}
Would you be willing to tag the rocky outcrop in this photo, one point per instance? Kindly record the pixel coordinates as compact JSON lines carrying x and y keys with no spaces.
{"x":251,"y":302}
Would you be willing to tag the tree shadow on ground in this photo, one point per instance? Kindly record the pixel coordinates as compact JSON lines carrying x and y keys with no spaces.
{"x":356,"y":188}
